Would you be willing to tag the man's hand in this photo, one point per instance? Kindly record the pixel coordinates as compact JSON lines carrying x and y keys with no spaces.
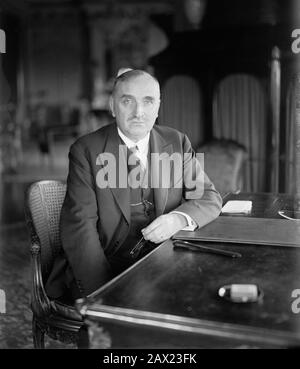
{"x":164,"y":227}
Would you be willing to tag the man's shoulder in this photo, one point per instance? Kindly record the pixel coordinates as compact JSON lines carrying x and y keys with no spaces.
{"x":168,"y":131}
{"x":94,"y":139}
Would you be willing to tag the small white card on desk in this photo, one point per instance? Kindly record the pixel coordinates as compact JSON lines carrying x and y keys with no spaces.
{"x":237,"y":207}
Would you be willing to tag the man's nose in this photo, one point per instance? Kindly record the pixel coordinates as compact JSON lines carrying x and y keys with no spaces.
{"x":139,"y":110}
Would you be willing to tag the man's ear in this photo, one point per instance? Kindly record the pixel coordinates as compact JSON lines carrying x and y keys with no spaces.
{"x":158,"y":107}
{"x":111,"y":106}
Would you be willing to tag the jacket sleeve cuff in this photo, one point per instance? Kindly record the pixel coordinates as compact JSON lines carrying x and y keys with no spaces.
{"x":192,"y":225}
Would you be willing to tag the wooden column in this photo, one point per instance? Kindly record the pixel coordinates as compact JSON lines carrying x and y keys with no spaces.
{"x":275,"y":118}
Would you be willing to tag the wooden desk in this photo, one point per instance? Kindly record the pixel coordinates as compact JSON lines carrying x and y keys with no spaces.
{"x":169,"y":299}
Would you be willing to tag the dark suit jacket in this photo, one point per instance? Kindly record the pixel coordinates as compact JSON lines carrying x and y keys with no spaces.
{"x":95,"y":221}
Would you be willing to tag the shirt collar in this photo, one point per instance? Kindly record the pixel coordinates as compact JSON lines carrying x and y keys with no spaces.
{"x":141,"y":144}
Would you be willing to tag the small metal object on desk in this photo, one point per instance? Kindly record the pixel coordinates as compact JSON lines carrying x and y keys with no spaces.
{"x":184,"y":245}
{"x":241,"y":293}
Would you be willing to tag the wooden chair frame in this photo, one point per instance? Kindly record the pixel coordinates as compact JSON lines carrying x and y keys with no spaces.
{"x":59,"y":321}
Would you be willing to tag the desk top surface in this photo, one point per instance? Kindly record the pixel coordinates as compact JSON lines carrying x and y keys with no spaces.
{"x":264,"y":205}
{"x":186,"y":284}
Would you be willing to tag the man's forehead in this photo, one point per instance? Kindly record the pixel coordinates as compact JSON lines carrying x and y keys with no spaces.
{"x":140,"y":85}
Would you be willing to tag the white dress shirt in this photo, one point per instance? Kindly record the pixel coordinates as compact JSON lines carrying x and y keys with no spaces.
{"x":142,"y":153}
{"x":142,"y":146}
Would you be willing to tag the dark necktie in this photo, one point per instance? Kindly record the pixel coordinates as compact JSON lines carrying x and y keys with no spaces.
{"x":136,"y":169}
{"x":136,"y":174}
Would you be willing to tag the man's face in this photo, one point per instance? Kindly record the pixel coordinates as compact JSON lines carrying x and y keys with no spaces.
{"x":135,"y":105}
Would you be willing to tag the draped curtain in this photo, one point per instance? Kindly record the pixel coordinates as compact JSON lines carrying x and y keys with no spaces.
{"x":240,"y":114}
{"x":181,"y":107}
{"x":292,"y":151}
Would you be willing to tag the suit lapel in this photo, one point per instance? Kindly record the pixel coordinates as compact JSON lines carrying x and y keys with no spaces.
{"x":159,"y":146}
{"x":121,"y":195}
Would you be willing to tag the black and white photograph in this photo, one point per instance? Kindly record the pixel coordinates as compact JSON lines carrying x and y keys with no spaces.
{"x":149,"y":177}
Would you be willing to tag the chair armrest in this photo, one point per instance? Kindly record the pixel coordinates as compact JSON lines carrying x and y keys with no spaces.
{"x":40,"y":302}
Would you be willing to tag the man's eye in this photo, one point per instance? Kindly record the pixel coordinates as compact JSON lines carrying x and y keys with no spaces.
{"x":148,"y":102}
{"x":126,"y":101}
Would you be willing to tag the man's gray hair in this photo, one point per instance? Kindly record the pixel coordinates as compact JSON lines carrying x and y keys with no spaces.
{"x":130,"y":74}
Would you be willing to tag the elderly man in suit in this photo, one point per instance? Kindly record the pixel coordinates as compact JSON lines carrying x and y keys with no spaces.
{"x":102,"y":219}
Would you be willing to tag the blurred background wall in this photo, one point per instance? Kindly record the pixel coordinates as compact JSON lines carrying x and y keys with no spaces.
{"x":225,"y":67}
